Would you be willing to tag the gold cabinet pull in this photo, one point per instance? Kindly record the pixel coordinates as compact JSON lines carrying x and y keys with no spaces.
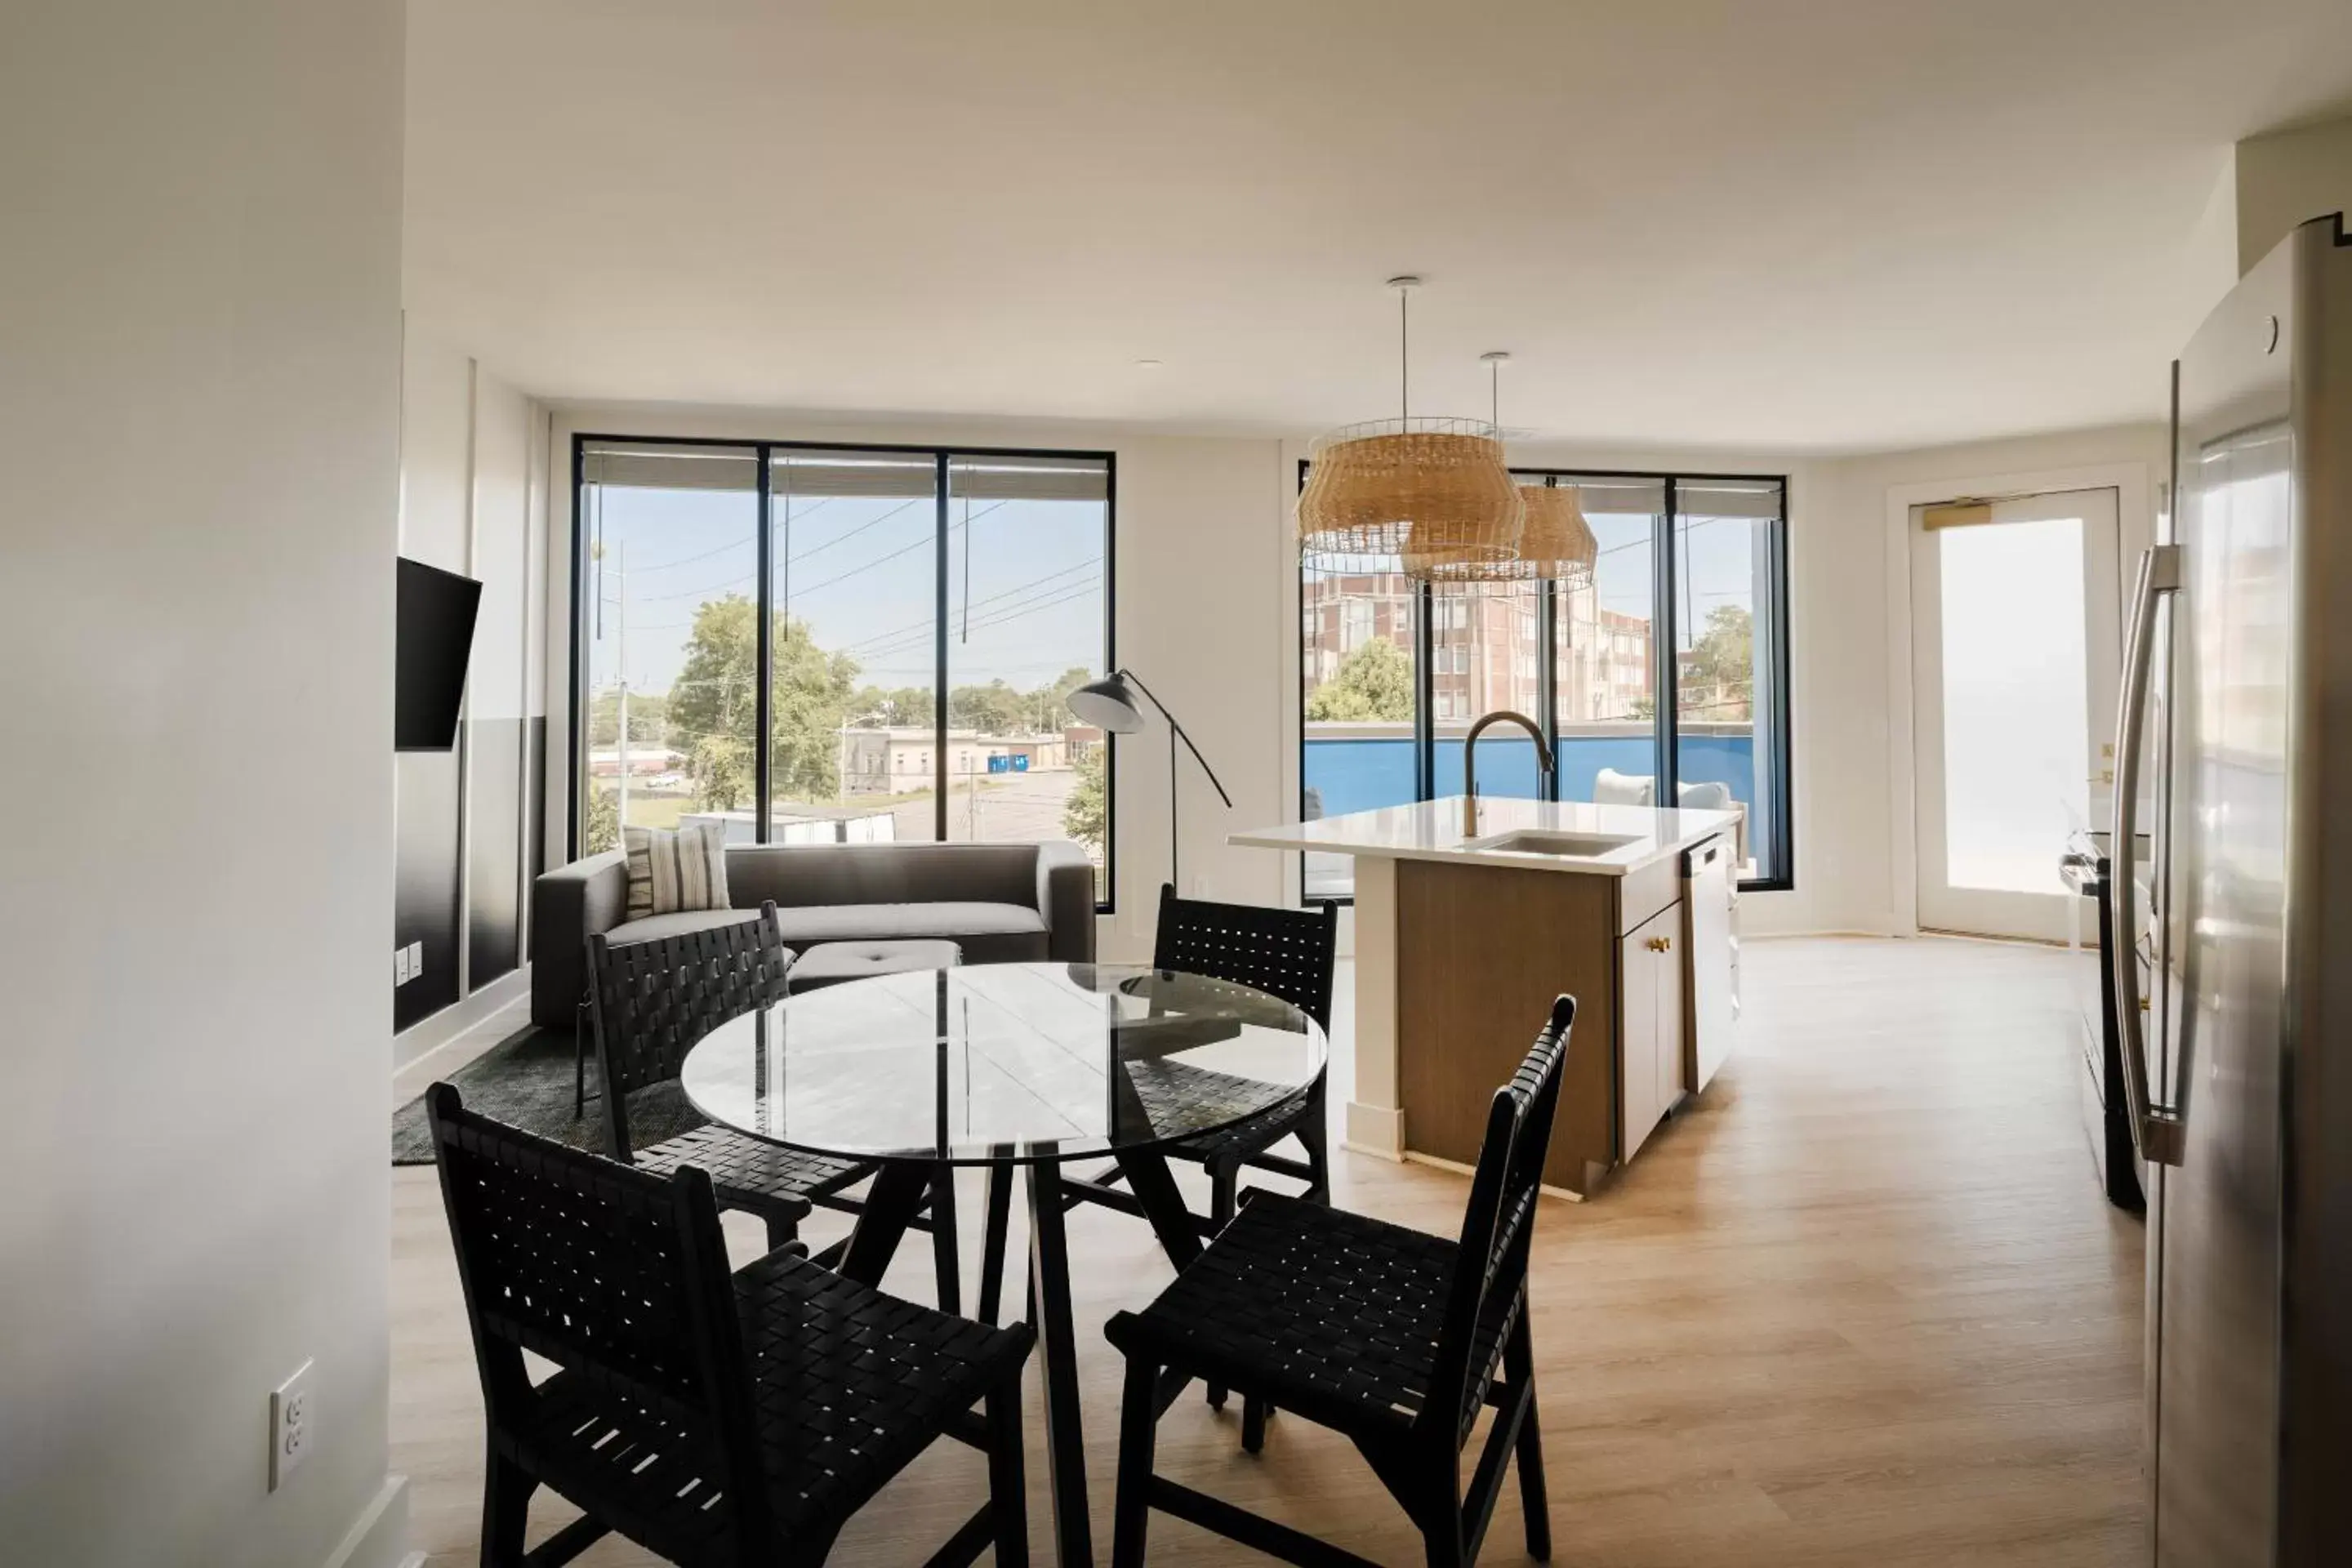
{"x":1659,"y":944}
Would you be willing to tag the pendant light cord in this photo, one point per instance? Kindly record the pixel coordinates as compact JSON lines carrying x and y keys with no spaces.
{"x":1404,"y":356}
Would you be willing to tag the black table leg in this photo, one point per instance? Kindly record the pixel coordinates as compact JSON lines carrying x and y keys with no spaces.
{"x":947,"y":1261}
{"x":992,"y":1243}
{"x":1154,"y":1186}
{"x":1049,"y":1286}
{"x":891,"y":1205}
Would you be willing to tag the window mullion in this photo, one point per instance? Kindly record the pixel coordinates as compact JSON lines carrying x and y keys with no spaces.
{"x":763,"y":745}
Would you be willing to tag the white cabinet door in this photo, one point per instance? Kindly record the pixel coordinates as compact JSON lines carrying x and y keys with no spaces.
{"x":1649,"y":1025}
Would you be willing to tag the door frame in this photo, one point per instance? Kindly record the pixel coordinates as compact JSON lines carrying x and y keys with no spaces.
{"x":2134,"y":527}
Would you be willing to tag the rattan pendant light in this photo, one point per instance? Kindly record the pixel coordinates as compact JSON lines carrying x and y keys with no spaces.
{"x":1409,"y":486}
{"x":1555,"y":541}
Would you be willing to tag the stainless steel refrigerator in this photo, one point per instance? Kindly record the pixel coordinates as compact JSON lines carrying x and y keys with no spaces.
{"x":2235,"y":760}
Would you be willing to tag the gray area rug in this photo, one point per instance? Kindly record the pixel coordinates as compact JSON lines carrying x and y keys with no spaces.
{"x":525,"y":1081}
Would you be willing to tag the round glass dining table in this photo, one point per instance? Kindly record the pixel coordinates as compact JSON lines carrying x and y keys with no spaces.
{"x":1018,"y":1067}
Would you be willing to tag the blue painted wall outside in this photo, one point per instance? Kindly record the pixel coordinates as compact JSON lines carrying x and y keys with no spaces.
{"x":1359,"y":775}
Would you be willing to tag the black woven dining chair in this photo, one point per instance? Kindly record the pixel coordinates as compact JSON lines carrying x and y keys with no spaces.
{"x":1286,"y":954}
{"x":649,"y":1002}
{"x":713,"y":1419}
{"x":1385,"y":1334}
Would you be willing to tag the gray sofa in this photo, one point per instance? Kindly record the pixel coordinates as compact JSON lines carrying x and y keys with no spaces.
{"x":1002,"y":903}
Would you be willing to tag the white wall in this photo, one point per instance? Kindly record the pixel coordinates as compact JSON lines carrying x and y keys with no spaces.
{"x":1849,"y":602}
{"x":1199,"y":596}
{"x":473,"y":501}
{"x":199,"y":297}
{"x":2287,"y":178}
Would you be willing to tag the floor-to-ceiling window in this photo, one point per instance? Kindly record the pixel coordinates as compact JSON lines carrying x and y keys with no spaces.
{"x":921,"y":616}
{"x":1670,"y":665}
{"x":1358,"y":630}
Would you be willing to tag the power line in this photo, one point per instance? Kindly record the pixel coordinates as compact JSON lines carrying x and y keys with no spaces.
{"x":896,"y":633}
{"x":1061,"y":593}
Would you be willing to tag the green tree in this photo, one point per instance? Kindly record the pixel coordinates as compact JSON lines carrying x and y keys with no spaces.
{"x":601,"y":831}
{"x":1086,"y":811}
{"x":892,"y":707}
{"x":713,"y":708}
{"x":1375,"y":682}
{"x":1719,"y":671}
{"x":646,"y":719}
{"x":1049,"y":705}
{"x":994,"y":708}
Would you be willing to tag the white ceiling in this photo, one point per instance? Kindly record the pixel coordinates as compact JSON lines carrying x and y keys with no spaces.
{"x":1837,"y":226}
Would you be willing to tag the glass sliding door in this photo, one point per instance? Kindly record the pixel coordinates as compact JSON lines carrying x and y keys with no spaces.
{"x":1027,"y":622}
{"x":669,"y":561}
{"x":1486,"y":651}
{"x":1729,"y":630}
{"x":1605,"y":647}
{"x":1662,"y":681}
{"x":853,"y":589}
{"x":1357,"y":677}
{"x":808,"y":643}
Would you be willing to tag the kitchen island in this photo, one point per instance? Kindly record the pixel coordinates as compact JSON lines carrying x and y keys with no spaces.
{"x":1463,"y":938}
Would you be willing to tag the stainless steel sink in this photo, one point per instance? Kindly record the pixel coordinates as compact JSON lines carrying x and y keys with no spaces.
{"x":1537,"y":841}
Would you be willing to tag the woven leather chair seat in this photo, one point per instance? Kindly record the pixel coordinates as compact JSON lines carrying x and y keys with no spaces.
{"x":1248,"y":1137}
{"x":1331,"y":1314}
{"x":849,"y":1386}
{"x":750,"y":1174}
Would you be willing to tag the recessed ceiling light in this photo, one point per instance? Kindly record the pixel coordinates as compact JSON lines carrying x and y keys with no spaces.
{"x":1147,"y":365}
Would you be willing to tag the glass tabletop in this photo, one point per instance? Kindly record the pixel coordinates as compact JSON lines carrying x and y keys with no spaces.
{"x":1003,"y":1061}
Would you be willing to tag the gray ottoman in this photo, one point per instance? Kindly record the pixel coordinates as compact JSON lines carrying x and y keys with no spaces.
{"x":831,"y":962}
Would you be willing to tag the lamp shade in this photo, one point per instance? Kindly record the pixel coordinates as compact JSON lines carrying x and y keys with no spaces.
{"x":1109,"y":704}
{"x":1399,"y":487}
{"x":1555,"y":542}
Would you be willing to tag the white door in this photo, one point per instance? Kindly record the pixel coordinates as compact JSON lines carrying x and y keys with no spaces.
{"x":2013,"y":668}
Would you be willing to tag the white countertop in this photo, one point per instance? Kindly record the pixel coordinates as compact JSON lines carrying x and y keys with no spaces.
{"x":1431,"y":830}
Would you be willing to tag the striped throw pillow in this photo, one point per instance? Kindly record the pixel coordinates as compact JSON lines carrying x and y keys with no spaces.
{"x":669,"y":870}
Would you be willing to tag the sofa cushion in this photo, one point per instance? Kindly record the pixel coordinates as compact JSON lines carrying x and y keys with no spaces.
{"x":987,"y":934}
{"x":836,"y":962}
{"x":677,"y":869}
{"x":821,"y":875}
{"x":678,"y":922}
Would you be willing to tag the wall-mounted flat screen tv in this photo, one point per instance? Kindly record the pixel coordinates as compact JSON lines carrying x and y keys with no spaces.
{"x":437,"y":633}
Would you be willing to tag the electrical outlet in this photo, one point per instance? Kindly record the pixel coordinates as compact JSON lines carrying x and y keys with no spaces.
{"x":293,"y":1425}
{"x":400,"y":974}
{"x":415,"y":960}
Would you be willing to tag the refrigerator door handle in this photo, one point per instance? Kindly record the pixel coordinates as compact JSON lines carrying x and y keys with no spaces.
{"x":2156,"y":1130}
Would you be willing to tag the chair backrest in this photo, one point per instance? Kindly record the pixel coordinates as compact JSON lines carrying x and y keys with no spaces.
{"x":1611,"y":787}
{"x":1490,"y":1272}
{"x":617,"y":1276}
{"x":1283,"y":952}
{"x":650,"y":1001}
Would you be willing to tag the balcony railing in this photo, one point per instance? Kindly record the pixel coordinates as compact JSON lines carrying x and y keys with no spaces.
{"x":1360,"y":767}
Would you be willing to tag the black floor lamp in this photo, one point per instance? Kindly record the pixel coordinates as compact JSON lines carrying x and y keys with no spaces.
{"x":1109,"y":703}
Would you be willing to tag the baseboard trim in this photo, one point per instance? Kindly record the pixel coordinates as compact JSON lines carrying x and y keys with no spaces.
{"x":379,"y":1537}
{"x":1374,"y":1129}
{"x":454,"y":1023}
{"x":1415,"y":1157}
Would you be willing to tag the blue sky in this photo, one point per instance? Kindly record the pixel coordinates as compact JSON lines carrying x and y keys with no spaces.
{"x":862,"y":573}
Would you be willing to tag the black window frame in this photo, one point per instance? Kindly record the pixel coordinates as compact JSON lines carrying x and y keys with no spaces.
{"x":763,"y":448}
{"x":1776,"y":828}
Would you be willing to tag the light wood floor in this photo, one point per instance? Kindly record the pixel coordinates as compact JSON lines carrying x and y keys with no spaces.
{"x":1861,"y":1305}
